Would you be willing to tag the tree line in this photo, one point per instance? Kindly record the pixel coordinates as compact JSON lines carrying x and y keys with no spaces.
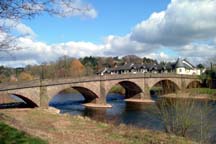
{"x":87,"y":66}
{"x":67,"y":67}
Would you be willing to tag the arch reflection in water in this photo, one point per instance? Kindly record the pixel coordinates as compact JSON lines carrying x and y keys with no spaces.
{"x":69,"y":103}
{"x":140,"y":115}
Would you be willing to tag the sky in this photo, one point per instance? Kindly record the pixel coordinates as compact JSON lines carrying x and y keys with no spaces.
{"x":158,"y":29}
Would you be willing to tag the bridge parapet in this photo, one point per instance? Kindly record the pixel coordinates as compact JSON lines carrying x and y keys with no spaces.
{"x":19,"y":85}
{"x":147,"y":75}
{"x":48,"y":82}
{"x":41,"y":91}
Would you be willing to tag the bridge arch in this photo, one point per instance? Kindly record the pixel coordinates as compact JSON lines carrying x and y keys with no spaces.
{"x":131,"y":88}
{"x":194,"y":84}
{"x":165,"y":86}
{"x":28,"y":101}
{"x":89,"y":95}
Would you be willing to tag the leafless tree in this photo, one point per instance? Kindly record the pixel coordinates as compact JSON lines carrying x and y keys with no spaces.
{"x":16,"y":10}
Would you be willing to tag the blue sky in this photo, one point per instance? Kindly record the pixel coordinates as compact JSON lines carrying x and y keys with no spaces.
{"x":115,"y":17}
{"x":157,"y":29}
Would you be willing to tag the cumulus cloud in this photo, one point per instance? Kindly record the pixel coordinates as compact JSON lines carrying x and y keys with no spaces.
{"x":78,"y":49}
{"x":197,"y":50}
{"x":38,"y":52}
{"x":116,"y":45}
{"x":160,"y":56}
{"x":18,"y":63}
{"x":186,"y":27}
{"x":18,"y":27}
{"x":181,"y":23}
{"x":35,"y":52}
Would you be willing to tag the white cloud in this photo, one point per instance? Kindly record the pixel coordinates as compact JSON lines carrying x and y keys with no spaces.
{"x":78,"y":49}
{"x":19,"y":63}
{"x":18,"y":27}
{"x":38,"y":52}
{"x":23,"y":29}
{"x":187,"y":28}
{"x":203,"y":51}
{"x":35,"y":52}
{"x":161,"y":56}
{"x":120,"y":46}
{"x":214,"y":41}
{"x":181,"y":23}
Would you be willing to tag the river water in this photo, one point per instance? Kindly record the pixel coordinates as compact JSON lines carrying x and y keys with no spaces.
{"x":129,"y":113}
{"x":140,"y":115}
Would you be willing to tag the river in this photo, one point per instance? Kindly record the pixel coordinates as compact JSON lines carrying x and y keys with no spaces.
{"x":142,"y":115}
{"x":136,"y":114}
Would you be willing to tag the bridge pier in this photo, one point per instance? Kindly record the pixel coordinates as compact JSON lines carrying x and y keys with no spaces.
{"x":143,"y":97}
{"x":44,"y":100}
{"x":98,"y":103}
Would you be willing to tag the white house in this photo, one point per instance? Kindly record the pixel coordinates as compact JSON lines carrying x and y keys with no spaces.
{"x":186,"y":68}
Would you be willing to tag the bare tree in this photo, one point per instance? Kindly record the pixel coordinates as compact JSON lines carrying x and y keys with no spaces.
{"x":16,"y":10}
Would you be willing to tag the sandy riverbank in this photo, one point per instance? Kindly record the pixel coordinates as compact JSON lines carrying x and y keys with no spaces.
{"x":97,"y":105}
{"x":140,"y":100}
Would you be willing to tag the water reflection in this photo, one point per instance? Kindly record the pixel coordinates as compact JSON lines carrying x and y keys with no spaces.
{"x":136,"y":114}
{"x":143,"y":115}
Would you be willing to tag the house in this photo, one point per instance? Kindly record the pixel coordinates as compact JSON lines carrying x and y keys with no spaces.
{"x":134,"y":68}
{"x":181,"y":66}
{"x":184,"y":67}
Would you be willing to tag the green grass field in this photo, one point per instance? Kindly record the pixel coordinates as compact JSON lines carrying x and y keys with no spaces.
{"x":9,"y":135}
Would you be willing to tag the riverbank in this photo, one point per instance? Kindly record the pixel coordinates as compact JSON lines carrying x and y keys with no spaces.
{"x":56,"y":128}
{"x":188,"y":96}
{"x":196,"y":94}
{"x":140,"y":100}
{"x":97,"y":105}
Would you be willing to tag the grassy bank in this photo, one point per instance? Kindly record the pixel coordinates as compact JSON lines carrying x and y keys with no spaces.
{"x":57,"y":128}
{"x":10,"y":135}
{"x":208,"y":91}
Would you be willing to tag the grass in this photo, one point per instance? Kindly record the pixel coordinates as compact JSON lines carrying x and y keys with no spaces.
{"x":57,"y":128}
{"x":10,"y":135}
{"x":131,"y":135}
{"x":203,"y":91}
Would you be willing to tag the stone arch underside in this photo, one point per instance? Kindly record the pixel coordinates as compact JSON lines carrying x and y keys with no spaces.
{"x":89,"y":90}
{"x":165,"y":86}
{"x":28,"y":101}
{"x":131,"y":89}
{"x":194,"y":84}
{"x":89,"y":95}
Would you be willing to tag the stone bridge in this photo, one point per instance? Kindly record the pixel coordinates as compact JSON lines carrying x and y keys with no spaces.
{"x":38,"y":93}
